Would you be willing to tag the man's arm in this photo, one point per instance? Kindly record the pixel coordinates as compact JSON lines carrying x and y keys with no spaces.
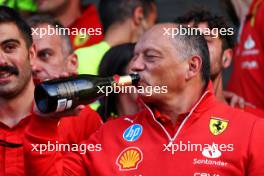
{"x":78,"y":128}
{"x":39,"y":161}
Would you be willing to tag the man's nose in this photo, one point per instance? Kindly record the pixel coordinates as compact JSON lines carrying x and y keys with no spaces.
{"x":137,"y":64}
{"x":2,"y":59}
{"x":35,"y":66}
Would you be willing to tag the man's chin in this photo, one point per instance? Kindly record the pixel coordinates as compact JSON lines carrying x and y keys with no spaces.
{"x":146,"y":98}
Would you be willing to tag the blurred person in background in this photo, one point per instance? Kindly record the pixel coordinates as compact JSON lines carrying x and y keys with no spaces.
{"x":247,"y":78}
{"x":221,"y":54}
{"x":116,"y":61}
{"x":54,"y":53}
{"x":241,"y":8}
{"x":17,"y":95}
{"x":54,"y":56}
{"x":230,"y":9}
{"x":71,"y":14}
{"x":123,"y":21}
{"x":25,"y":7}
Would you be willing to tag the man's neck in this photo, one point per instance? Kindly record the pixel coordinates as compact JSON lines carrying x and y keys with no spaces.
{"x":179,"y":104}
{"x":218,"y":87}
{"x":14,"y":110}
{"x":126,"y":105}
{"x":69,"y":14}
{"x":124,"y":36}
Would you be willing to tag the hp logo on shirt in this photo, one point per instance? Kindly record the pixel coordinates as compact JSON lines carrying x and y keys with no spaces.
{"x":132,"y":133}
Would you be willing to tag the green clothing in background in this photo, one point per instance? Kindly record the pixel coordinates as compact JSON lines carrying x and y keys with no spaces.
{"x":21,"y":5}
{"x":89,"y":58}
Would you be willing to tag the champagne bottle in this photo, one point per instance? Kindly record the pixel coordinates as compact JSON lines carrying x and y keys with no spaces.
{"x":67,"y":93}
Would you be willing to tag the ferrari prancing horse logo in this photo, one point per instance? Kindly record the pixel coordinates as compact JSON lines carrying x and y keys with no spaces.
{"x":217,"y":125}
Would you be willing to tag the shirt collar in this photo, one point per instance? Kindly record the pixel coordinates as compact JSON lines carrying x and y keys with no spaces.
{"x":202,"y":104}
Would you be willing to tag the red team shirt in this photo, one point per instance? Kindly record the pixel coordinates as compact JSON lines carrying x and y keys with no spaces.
{"x":247,"y":79}
{"x":70,"y":129}
{"x":93,"y":29}
{"x":145,"y":144}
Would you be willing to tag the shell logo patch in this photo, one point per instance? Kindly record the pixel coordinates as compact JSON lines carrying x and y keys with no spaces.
{"x":217,"y":125}
{"x":129,"y":159}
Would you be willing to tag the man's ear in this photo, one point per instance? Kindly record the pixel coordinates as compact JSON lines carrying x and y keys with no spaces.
{"x":227,"y":58}
{"x":72,"y":63}
{"x":194,"y":67}
{"x":138,"y":15}
{"x":32,"y":52}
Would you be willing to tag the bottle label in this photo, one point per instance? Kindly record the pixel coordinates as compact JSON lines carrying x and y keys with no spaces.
{"x":69,"y":104}
{"x":61,"y":105}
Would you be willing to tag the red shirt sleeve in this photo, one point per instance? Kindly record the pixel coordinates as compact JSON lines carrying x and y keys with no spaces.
{"x":256,"y":154}
{"x":76,"y":129}
{"x":41,"y":133}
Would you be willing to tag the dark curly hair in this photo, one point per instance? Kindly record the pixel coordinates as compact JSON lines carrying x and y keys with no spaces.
{"x":199,"y":15}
